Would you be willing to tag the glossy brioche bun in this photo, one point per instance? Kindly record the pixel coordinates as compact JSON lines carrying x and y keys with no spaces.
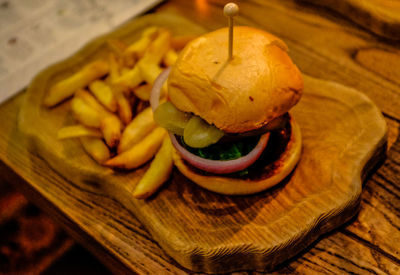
{"x":259,"y":84}
{"x":236,"y":186}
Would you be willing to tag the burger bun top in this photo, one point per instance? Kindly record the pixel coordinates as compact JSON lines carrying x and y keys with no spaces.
{"x":257,"y":85}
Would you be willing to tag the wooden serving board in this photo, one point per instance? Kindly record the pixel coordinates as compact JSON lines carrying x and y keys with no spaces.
{"x":379,"y":16}
{"x":344,"y":135}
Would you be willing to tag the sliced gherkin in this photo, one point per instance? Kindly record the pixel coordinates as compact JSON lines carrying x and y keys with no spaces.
{"x":169,"y":117}
{"x":199,"y":134}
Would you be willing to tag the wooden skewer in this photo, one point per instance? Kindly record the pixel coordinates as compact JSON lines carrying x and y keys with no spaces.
{"x":230,"y":10}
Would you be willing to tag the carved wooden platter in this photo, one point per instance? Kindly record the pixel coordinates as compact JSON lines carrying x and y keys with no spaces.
{"x":379,"y":16}
{"x":344,"y":135}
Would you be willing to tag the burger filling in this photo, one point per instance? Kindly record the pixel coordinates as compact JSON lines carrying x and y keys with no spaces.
{"x":228,"y":150}
{"x":265,"y":166}
{"x":209,"y":149}
{"x":196,"y":132}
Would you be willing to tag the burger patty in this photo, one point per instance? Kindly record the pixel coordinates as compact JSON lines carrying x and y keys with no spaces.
{"x":275,"y":124}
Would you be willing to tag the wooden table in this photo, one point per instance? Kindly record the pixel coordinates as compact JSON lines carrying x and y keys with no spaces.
{"x":323,"y":45}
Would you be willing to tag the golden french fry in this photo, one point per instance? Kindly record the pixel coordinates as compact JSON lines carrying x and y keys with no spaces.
{"x":149,"y":65}
{"x":125,"y":70}
{"x":67,"y":87}
{"x":157,"y":48}
{"x":149,"y":71}
{"x":129,"y":79}
{"x":84,"y":113}
{"x":179,"y":42}
{"x":104,"y":94}
{"x":110,"y":126}
{"x":158,"y":172}
{"x":134,"y":132}
{"x":137,"y":49}
{"x":170,"y":57}
{"x":79,"y":130}
{"x":124,"y":107}
{"x":139,"y":153}
{"x":143,"y":92}
{"x":114,"y":67}
{"x":150,"y":31}
{"x":91,"y":101}
{"x":96,"y":148}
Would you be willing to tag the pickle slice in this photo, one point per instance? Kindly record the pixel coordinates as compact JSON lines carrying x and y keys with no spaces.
{"x":199,"y":134}
{"x":169,"y":117}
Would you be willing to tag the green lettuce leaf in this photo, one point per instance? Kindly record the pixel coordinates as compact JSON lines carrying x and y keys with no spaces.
{"x":225,"y":150}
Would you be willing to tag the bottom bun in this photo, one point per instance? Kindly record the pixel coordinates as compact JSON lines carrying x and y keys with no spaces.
{"x":278,"y":170}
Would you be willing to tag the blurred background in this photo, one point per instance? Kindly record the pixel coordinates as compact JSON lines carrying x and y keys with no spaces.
{"x":32,"y":243}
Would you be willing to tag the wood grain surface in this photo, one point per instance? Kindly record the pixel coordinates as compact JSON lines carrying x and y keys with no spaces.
{"x":379,"y":16}
{"x":323,"y":46}
{"x":342,"y":131}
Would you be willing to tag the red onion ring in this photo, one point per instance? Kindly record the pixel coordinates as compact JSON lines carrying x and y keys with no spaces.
{"x":222,"y":166}
{"x":157,"y":87}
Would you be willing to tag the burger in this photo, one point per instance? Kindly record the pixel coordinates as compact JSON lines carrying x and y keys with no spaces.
{"x":228,"y":118}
